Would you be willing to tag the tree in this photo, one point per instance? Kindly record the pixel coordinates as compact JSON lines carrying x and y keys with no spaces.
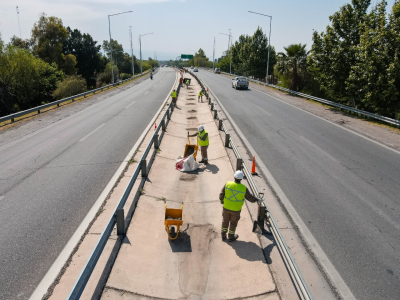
{"x":25,"y":44}
{"x":71,"y":85}
{"x":293,"y":65}
{"x":48,"y":38}
{"x":117,"y":51}
{"x":25,"y":80}
{"x":87,"y":54}
{"x":334,"y":52}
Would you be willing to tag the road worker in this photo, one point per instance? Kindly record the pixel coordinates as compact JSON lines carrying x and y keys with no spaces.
{"x":200,"y":96}
{"x":232,"y":197}
{"x":202,"y":137}
{"x":180,"y":81}
{"x":187,"y":83}
{"x":173,"y":96}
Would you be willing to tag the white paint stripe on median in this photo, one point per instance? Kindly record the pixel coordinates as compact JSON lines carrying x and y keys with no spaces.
{"x":146,"y":92}
{"x":130,"y":104}
{"x":81,"y":140}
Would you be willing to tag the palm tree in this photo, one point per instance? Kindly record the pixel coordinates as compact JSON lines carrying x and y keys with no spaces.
{"x":293,"y":64}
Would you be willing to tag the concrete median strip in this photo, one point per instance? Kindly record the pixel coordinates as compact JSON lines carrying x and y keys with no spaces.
{"x":198,"y":265}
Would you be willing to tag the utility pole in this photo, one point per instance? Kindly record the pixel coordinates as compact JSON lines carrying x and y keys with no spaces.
{"x":133,"y":65}
{"x":229,"y":52}
{"x":19,"y":25}
{"x":214,"y":55}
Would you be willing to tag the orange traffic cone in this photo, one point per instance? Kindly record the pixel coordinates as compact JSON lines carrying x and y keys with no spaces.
{"x":253,"y":167}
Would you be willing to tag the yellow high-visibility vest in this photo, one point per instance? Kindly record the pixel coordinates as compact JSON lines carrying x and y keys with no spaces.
{"x":203,"y":143}
{"x":173,"y":94}
{"x":234,"y":196}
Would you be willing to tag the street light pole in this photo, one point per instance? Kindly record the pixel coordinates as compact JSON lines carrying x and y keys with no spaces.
{"x":269,"y":39}
{"x":140,"y":45}
{"x":229,"y":43}
{"x":133,"y":65}
{"x":109,"y":31}
{"x":214,"y":55}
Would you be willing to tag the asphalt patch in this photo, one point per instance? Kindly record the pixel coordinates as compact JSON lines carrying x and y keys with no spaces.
{"x":188,"y":177}
{"x":191,"y":118}
{"x":190,"y":104}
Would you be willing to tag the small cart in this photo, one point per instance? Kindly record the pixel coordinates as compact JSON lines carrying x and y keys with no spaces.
{"x":191,"y":149}
{"x":173,"y":217}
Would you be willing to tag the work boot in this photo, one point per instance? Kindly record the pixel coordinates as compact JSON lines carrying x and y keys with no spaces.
{"x":233,"y":238}
{"x":223,"y":236}
{"x":202,"y":161}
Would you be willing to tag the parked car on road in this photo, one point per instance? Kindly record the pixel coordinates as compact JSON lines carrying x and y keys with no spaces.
{"x":195,"y":70}
{"x":240,"y":83}
{"x":192,"y":67}
{"x":217,"y":70}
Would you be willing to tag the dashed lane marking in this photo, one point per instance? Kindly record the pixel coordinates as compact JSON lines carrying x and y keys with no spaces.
{"x":92,"y":132}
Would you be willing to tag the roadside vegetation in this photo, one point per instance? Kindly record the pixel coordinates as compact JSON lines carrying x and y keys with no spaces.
{"x":57,"y":62}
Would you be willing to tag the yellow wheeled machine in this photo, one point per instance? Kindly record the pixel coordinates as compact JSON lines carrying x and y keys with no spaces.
{"x":173,"y":217}
{"x":191,"y":149}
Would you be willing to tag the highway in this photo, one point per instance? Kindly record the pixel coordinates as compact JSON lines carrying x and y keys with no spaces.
{"x":50,"y":178}
{"x":345,"y":188}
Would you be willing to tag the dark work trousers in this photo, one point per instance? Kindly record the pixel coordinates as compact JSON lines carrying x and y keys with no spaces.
{"x":174,"y":100}
{"x":204,"y":152}
{"x":230,"y":220}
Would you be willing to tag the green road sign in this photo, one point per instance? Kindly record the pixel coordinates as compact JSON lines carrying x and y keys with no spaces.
{"x":186,"y":56}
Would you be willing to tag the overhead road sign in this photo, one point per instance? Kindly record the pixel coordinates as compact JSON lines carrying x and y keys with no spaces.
{"x":186,"y":56}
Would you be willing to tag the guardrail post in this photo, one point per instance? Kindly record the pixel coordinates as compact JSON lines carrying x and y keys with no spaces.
{"x":119,"y":218}
{"x":215,"y":114}
{"x":212,"y":106}
{"x":58,"y":104}
{"x":239,"y":162}
{"x":163,"y":124}
{"x":168,"y":116}
{"x":219,"y":124}
{"x":38,"y":111}
{"x":227,"y":138}
{"x":155,"y":141}
{"x":143,"y":165}
{"x":209,"y":100}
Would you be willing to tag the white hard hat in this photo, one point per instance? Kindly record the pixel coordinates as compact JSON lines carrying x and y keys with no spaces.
{"x":238,"y":175}
{"x":201,"y":128}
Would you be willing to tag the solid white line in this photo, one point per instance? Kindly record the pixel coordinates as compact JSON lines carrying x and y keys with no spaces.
{"x":319,"y":149}
{"x":344,"y":128}
{"x":62,"y":258}
{"x":263,"y":110}
{"x":130,"y":104}
{"x":155,"y":85}
{"x":146,"y":92}
{"x":81,"y":140}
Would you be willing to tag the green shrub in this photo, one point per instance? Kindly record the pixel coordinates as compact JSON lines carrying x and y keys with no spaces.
{"x":71,"y":85}
{"x":125,"y":76}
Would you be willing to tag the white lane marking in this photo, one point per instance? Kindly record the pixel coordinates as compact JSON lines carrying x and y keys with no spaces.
{"x":130,"y":104}
{"x":81,"y":140}
{"x":319,"y":149}
{"x":146,"y":92}
{"x":263,"y":110}
{"x":155,"y":85}
{"x":242,"y":96}
{"x":344,"y":128}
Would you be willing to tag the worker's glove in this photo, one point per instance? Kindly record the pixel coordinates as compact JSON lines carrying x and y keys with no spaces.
{"x":222,"y":201}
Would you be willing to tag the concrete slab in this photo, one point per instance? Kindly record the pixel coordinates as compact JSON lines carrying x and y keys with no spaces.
{"x":198,"y":265}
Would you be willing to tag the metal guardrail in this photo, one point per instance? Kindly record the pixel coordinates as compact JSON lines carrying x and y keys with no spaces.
{"x":328,"y":102}
{"x":12,"y":117}
{"x":87,"y":270}
{"x":289,"y":261}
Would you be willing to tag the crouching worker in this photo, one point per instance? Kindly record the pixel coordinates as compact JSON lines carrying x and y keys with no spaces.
{"x":232,"y":197}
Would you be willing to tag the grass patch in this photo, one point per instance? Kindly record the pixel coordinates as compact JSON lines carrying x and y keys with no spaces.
{"x":132,"y":161}
{"x":141,"y":191}
{"x":161,"y":199}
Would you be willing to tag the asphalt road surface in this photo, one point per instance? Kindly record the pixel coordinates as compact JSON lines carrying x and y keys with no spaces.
{"x":50,"y":178}
{"x":345,"y":188}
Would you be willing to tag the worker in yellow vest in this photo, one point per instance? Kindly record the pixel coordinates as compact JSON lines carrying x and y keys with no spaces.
{"x":232,"y":197}
{"x":200,"y":96}
{"x":202,"y":137}
{"x":173,"y":96}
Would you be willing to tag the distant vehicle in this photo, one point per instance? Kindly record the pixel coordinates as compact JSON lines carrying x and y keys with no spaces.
{"x":192,"y":67}
{"x":217,"y":70}
{"x":240,"y":83}
{"x":195,"y":70}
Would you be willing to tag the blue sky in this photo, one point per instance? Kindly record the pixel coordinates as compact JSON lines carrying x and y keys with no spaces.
{"x":179,"y":26}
